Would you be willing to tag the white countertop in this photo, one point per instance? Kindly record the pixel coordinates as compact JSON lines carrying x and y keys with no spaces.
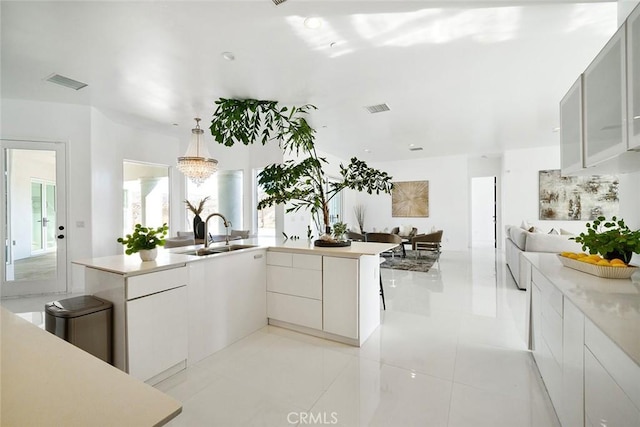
{"x":130,"y":265}
{"x":47,"y":381}
{"x":613,"y":305}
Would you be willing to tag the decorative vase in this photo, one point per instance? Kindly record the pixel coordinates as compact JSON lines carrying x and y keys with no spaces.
{"x":198,"y":227}
{"x":624,"y":256}
{"x":148,"y":254}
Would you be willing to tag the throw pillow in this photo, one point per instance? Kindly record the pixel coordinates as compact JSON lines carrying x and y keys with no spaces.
{"x":405,"y":230}
{"x":565,"y":232}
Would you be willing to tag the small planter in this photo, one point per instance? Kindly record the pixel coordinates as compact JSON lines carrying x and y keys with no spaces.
{"x":148,"y":254}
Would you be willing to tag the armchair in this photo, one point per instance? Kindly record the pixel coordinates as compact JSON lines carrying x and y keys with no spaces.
{"x":428,"y":242}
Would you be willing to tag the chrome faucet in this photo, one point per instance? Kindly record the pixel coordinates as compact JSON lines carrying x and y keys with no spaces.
{"x":227,"y":224}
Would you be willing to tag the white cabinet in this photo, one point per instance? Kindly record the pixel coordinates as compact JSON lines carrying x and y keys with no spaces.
{"x":340,"y":296}
{"x":605,"y":402}
{"x":294,"y":288}
{"x":227,"y":300}
{"x":156,"y":323}
{"x":571,"y":129}
{"x":157,"y":332}
{"x":605,"y":102}
{"x":547,"y":310}
{"x":633,"y":79}
{"x":572,"y":413}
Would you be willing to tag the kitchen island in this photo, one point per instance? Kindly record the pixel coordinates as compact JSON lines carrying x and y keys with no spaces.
{"x":175,"y":311}
{"x":47,"y":381}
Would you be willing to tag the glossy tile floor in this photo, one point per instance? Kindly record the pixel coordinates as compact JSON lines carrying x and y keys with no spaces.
{"x":450,"y":352}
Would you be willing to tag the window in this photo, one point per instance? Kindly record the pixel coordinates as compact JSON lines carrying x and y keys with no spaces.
{"x":265,"y":218}
{"x":146,"y":195}
{"x":225,"y":192}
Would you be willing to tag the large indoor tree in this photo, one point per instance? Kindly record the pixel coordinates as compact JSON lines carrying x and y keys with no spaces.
{"x":301,"y":182}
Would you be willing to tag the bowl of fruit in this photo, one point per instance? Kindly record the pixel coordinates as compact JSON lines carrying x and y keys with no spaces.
{"x":597,"y":265}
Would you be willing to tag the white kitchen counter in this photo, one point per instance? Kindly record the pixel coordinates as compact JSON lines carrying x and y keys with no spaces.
{"x":47,"y":381}
{"x":130,"y":265}
{"x":613,"y":305}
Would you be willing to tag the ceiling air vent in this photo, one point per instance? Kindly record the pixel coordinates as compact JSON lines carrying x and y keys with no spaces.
{"x":278,"y":2}
{"x":66,"y":81}
{"x":377,"y":108}
{"x":415,"y":149}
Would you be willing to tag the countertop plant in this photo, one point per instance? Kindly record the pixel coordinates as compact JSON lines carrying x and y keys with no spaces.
{"x":610,"y":238}
{"x":144,"y":238}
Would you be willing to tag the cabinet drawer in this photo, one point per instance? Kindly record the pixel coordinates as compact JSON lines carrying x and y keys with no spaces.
{"x":552,"y":330}
{"x":308,"y":262}
{"x":297,"y":310}
{"x":151,"y":283}
{"x":605,"y":402}
{"x":292,"y":281}
{"x":624,"y":371}
{"x":279,"y":258}
{"x":548,"y":291}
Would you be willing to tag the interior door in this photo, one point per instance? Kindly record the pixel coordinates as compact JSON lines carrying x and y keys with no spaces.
{"x":33,"y":218}
{"x":483,"y":212}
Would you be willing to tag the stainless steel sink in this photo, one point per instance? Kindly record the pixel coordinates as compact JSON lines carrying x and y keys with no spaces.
{"x":217,"y":250}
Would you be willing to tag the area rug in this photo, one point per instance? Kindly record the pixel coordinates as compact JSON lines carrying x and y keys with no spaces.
{"x":410,"y":263}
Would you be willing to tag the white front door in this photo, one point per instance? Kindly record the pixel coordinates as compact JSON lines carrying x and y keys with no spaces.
{"x":33,"y":218}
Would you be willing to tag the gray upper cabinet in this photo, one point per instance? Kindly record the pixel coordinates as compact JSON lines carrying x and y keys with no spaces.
{"x":605,"y":102}
{"x":633,"y":76}
{"x":571,"y":129}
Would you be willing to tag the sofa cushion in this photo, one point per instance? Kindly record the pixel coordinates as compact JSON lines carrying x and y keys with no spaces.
{"x":519,"y":237}
{"x":537,"y":242}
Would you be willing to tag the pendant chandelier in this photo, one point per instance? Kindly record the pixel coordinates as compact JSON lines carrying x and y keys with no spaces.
{"x":197,"y":164}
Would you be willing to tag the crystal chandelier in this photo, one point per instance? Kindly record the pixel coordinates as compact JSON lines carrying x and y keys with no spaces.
{"x":197,"y":164}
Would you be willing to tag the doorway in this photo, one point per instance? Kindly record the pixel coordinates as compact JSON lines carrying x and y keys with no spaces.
{"x":33,"y":218}
{"x":483,"y":212}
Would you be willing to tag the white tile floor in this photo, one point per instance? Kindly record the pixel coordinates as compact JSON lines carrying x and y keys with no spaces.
{"x":450,"y":352}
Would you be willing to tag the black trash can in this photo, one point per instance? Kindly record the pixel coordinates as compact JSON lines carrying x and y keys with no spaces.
{"x":84,"y":321}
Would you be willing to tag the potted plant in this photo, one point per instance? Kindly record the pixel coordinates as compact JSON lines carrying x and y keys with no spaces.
{"x":339,"y":229}
{"x":301,"y":182}
{"x":145,"y":240}
{"x":198,"y":224}
{"x":611,"y":239}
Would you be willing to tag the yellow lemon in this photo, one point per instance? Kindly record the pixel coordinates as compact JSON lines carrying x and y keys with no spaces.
{"x":582,"y":255}
{"x":603,"y":262}
{"x":617,"y":261}
{"x":595,"y":256}
{"x":565,"y":254}
{"x":572,"y":256}
{"x":588,"y":260}
{"x":618,"y":265}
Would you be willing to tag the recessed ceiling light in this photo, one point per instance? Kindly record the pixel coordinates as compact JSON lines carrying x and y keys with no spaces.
{"x":229,"y":56}
{"x":313,"y":22}
{"x":366,"y":150}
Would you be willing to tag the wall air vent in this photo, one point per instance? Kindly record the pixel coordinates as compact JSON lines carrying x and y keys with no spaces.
{"x":415,"y":149}
{"x":377,"y":108}
{"x":66,"y":81}
{"x":278,"y":2}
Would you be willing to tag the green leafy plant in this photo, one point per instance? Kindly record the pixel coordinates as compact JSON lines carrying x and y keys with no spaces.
{"x":339,"y":228}
{"x":610,"y":238}
{"x":301,"y":182}
{"x":144,"y":238}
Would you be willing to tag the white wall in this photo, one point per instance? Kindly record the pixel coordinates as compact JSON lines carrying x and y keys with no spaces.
{"x":449,"y":199}
{"x":111,"y":143}
{"x":624,"y":9}
{"x":520,"y":187}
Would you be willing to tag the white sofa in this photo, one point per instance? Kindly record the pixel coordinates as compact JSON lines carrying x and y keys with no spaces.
{"x":519,"y":240}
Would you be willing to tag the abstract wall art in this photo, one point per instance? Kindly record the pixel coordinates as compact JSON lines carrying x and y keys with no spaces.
{"x":410,"y":199}
{"x":577,"y":198}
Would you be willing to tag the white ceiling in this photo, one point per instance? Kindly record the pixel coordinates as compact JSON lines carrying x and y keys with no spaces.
{"x":469,"y":77}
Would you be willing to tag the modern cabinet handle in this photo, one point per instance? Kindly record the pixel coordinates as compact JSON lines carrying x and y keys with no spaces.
{"x":257,"y":256}
{"x":60,"y":236}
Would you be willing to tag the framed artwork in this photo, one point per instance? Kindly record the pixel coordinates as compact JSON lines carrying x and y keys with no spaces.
{"x":576,"y":198}
{"x":410,"y":199}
